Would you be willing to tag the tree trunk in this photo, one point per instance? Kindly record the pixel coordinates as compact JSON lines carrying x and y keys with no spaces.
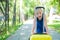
{"x":14,"y":14}
{"x":7,"y":14}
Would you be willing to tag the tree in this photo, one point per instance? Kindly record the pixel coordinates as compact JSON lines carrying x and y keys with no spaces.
{"x":14,"y":15}
{"x":29,"y":5}
{"x":7,"y":15}
{"x":56,"y":3}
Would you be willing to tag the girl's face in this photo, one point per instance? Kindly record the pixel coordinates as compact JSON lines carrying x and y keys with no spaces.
{"x":39,"y":14}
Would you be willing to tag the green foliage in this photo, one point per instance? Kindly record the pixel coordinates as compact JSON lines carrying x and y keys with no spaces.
{"x":29,"y":5}
{"x":4,"y":35}
{"x":11,"y":28}
{"x":56,"y":4}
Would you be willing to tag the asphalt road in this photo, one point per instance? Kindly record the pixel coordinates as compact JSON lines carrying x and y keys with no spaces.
{"x":24,"y":32}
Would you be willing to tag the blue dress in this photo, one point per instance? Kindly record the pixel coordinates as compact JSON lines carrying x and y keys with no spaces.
{"x":39,"y":28}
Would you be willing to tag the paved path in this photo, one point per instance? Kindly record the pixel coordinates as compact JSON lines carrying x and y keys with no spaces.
{"x":23,"y":32}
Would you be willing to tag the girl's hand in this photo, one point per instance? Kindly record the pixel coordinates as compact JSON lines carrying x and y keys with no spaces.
{"x":47,"y":33}
{"x":32,"y":33}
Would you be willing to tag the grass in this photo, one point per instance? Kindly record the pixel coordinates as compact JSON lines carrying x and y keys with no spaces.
{"x":56,"y":26}
{"x":56,"y":21}
{"x":4,"y":35}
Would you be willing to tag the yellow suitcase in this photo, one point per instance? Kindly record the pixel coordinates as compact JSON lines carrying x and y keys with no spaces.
{"x":40,"y":37}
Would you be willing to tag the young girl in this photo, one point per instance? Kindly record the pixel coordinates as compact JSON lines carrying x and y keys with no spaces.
{"x":40,"y":23}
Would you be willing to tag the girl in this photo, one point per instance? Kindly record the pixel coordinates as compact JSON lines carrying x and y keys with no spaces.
{"x":40,"y":23}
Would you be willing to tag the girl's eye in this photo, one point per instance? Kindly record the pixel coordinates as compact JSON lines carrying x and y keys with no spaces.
{"x":37,"y":13}
{"x":40,"y":12}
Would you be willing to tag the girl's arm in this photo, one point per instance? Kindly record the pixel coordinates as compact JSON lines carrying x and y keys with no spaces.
{"x":45,"y":23}
{"x":33,"y":26}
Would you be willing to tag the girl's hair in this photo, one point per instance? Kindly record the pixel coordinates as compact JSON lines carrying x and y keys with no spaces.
{"x":36,"y":10}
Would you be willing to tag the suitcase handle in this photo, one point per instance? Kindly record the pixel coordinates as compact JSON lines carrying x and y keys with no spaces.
{"x":40,"y":34}
{"x":39,"y":7}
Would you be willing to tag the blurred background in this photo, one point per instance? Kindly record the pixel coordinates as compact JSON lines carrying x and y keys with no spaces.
{"x":14,"y":13}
